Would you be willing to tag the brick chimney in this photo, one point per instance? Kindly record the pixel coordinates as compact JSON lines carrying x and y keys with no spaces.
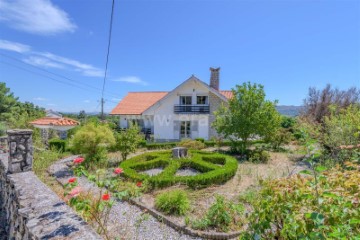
{"x":214,"y":78}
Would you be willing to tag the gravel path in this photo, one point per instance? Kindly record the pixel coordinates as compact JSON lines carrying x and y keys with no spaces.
{"x":125,"y":221}
{"x":153,"y":171}
{"x":186,"y":172}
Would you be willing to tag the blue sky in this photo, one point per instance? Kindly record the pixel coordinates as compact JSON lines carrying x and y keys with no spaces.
{"x":287,"y":46}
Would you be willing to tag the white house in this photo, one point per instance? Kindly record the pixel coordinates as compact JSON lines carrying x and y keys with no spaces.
{"x":185,"y":112}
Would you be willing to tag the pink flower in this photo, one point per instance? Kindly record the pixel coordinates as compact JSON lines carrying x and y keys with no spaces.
{"x":78,"y":160}
{"x":75,"y":191}
{"x":72,"y":180}
{"x":105,"y":197}
{"x":118,"y":170}
{"x":139,"y":184}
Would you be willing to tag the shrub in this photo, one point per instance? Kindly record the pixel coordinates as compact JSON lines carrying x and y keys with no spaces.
{"x":92,"y":140}
{"x":214,"y":168}
{"x":220,"y":215}
{"x":166,"y":145}
{"x":278,"y":138}
{"x":173,"y":202}
{"x":258,"y":156}
{"x":192,"y":144}
{"x":128,"y":140}
{"x":200,"y":140}
{"x":142,"y":143}
{"x":210,"y":143}
{"x":289,"y":208}
{"x":57,"y":145}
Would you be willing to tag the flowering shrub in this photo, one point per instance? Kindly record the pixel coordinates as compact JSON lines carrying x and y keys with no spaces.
{"x":91,"y":207}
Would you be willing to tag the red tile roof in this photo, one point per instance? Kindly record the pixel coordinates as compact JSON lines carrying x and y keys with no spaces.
{"x":227,"y":93}
{"x":135,"y":103}
{"x":55,"y":121}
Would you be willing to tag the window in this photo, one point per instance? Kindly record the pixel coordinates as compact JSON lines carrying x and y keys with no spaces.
{"x":185,"y":129}
{"x":185,"y":100}
{"x":201,"y":100}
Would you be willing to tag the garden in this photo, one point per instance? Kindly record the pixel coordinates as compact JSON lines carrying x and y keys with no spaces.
{"x":274,"y":177}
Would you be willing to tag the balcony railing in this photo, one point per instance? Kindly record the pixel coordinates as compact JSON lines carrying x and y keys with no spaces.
{"x":197,"y":109}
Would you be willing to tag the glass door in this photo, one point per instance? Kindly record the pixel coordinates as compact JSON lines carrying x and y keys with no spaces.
{"x":185,"y":129}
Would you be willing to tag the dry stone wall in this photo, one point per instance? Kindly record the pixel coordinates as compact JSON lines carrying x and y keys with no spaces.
{"x":29,"y":209}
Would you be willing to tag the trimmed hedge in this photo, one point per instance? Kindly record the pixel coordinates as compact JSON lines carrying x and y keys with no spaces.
{"x":214,"y":168}
{"x":57,"y":144}
{"x":165,"y":145}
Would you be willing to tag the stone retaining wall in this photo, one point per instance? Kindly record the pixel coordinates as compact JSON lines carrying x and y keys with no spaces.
{"x":30,"y":209}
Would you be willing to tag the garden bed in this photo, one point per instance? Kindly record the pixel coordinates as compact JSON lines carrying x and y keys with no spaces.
{"x":213,"y":168}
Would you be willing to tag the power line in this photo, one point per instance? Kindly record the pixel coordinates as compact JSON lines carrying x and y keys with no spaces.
{"x":107,"y":59}
{"x":56,"y":74}
{"x":45,"y":76}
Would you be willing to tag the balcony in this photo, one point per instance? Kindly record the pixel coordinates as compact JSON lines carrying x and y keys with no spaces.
{"x":191,"y":109}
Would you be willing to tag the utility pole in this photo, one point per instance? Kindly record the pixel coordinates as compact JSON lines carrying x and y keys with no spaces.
{"x":102,"y":109}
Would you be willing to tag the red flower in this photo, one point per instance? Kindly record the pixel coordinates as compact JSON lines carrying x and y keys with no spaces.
{"x":78,"y":160}
{"x":72,"y":180}
{"x":105,"y":197}
{"x":75,"y":191}
{"x":118,"y":170}
{"x":139,"y":184}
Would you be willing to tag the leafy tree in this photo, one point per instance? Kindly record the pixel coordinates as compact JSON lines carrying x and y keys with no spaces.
{"x":92,"y":140}
{"x":128,"y":140}
{"x":247,"y":115}
{"x":82,"y":115}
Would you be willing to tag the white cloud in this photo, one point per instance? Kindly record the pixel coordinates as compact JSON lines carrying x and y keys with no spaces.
{"x":46,"y":59}
{"x":86,"y":101}
{"x":14,"y":46}
{"x":51,"y":104}
{"x":131,"y":79}
{"x":35,"y":16}
{"x":85,"y":69}
{"x":116,"y":99}
{"x":42,"y":62}
{"x":40,"y":99}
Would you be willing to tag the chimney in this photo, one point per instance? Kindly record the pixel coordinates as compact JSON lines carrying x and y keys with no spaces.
{"x":214,"y":78}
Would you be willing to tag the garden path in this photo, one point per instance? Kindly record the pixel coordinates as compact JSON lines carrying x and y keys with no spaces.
{"x":126,"y":221}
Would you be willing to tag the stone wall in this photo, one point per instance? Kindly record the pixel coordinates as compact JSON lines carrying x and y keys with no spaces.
{"x":3,"y":144}
{"x":30,"y":210}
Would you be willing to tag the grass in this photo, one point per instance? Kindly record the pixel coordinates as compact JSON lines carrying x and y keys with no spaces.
{"x":43,"y":159}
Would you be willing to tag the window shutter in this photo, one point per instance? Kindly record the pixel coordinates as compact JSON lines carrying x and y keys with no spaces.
{"x":194,"y":126}
{"x":176,"y":126}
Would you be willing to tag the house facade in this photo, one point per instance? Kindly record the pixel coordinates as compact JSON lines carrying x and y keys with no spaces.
{"x":185,"y":112}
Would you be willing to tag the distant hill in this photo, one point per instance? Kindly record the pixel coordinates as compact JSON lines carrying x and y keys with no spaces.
{"x":289,"y":110}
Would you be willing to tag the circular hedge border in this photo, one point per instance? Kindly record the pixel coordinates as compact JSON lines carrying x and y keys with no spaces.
{"x":214,"y":168}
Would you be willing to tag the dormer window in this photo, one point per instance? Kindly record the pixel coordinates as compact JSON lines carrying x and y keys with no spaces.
{"x":201,"y":100}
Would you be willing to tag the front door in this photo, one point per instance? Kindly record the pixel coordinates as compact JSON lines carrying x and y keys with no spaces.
{"x":185,"y":129}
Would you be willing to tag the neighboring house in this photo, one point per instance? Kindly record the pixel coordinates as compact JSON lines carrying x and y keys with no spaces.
{"x":185,"y":112}
{"x":54,"y":121}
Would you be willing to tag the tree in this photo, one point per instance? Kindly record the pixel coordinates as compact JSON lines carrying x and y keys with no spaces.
{"x":7,"y":102}
{"x":247,"y":115}
{"x":128,"y":140}
{"x":92,"y":140}
{"x":82,"y":115}
{"x":316,"y":105}
{"x":342,"y":128}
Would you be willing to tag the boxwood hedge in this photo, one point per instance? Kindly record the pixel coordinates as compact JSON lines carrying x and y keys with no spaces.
{"x":214,"y":168}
